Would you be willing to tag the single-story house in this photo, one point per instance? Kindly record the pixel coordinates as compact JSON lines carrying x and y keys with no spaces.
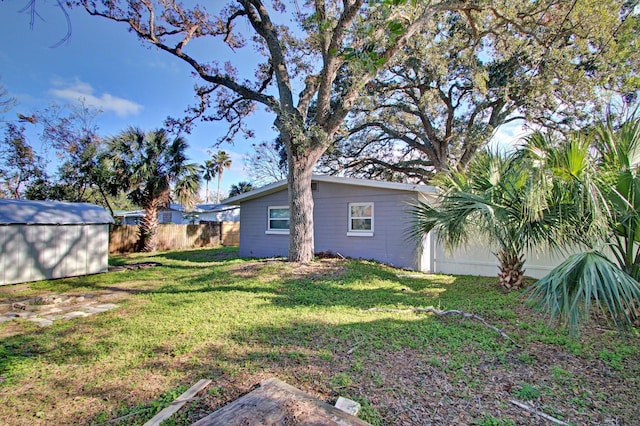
{"x":177,"y":214}
{"x":356,"y":218}
{"x":366,"y":219}
{"x":51,"y":239}
{"x":128,"y":217}
{"x":217,"y":213}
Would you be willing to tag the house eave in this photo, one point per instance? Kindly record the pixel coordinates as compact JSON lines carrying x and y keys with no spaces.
{"x":280,"y":185}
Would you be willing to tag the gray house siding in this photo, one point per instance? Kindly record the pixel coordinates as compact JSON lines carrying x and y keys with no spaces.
{"x":254,"y":242}
{"x":389,"y":243}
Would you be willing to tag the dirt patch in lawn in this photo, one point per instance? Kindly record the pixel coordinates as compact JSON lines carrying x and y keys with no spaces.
{"x":409,"y":387}
{"x":268,"y":269}
{"x":133,"y":266}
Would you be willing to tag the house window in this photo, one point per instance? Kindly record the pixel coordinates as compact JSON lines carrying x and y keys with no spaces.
{"x":278,"y":220}
{"x":166,"y":217}
{"x":360,"y":220}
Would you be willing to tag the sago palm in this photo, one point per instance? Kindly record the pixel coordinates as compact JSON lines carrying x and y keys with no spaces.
{"x":153,"y":170}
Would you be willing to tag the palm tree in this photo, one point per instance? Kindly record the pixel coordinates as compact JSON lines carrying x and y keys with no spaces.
{"x":620,"y":152}
{"x":151,"y":168}
{"x":583,"y":191}
{"x":240,"y":188}
{"x":208,"y":170}
{"x":493,"y":200}
{"x":611,"y":208}
{"x":222,"y":161}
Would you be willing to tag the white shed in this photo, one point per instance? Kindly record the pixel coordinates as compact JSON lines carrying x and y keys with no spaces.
{"x":51,"y":239}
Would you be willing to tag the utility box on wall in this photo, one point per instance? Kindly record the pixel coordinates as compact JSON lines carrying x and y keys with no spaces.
{"x":50,"y":239}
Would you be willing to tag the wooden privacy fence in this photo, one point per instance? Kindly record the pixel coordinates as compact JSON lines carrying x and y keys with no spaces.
{"x":124,"y":238}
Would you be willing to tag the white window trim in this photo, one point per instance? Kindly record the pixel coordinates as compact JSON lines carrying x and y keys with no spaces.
{"x":270,"y":231}
{"x":361,"y":233}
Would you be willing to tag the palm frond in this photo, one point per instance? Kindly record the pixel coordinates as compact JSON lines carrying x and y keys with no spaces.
{"x":583,"y":283}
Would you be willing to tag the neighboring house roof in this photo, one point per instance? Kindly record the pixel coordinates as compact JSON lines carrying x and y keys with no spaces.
{"x":27,"y":212}
{"x":128,"y":213}
{"x":213,"y":208}
{"x":198,"y":209}
{"x":280,"y":185}
{"x":174,"y":206}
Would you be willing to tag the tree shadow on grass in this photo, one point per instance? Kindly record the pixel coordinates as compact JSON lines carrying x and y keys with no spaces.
{"x":218,"y":254}
{"x":351,"y":284}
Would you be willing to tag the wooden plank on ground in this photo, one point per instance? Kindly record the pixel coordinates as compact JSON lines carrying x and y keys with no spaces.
{"x":178,"y":403}
{"x":276,"y":402}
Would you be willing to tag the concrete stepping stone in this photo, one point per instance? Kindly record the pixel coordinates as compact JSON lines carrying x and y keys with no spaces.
{"x":75,"y":314}
{"x":50,"y":312}
{"x":93,"y":310}
{"x":107,"y":306}
{"x":42,"y":322}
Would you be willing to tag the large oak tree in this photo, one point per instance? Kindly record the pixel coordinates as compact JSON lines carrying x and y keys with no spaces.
{"x":315,"y":59}
{"x":299,"y":68}
{"x":458,"y":81}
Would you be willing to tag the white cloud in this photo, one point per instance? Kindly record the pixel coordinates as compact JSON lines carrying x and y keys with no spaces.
{"x":81,"y":91}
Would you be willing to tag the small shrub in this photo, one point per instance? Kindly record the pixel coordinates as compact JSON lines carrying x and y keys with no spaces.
{"x":489,"y":420}
{"x":527,"y":392}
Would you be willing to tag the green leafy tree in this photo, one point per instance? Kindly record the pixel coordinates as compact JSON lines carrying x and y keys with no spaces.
{"x":20,"y":165}
{"x":455,"y":84}
{"x":240,"y":188}
{"x":153,"y":169}
{"x":72,"y":133}
{"x":315,"y":59}
{"x":221,"y":161}
{"x":297,"y":65}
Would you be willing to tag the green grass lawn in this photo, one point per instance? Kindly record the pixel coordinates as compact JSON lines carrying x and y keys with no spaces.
{"x":209,"y":314}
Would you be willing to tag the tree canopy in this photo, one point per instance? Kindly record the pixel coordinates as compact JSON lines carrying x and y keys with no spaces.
{"x":221,"y":161}
{"x":153,"y":170}
{"x":20,"y":165}
{"x":562,"y":193}
{"x":550,"y":64}
{"x":240,"y":188}
{"x":267,"y":163}
{"x":324,"y":59}
{"x":315,"y":59}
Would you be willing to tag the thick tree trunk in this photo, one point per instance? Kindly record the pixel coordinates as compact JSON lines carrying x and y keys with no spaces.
{"x":511,"y":275}
{"x":149,"y":228}
{"x":301,"y":240}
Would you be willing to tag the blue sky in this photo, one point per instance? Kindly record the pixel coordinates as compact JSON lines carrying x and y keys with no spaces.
{"x":111,"y":69}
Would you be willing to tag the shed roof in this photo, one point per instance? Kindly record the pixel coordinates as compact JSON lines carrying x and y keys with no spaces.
{"x":27,"y":212}
{"x":280,"y":185}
